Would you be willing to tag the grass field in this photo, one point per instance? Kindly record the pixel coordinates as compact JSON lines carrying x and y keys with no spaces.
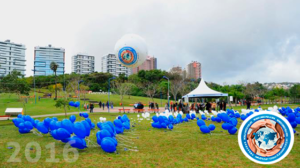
{"x":185,"y":146}
{"x":46,"y":105}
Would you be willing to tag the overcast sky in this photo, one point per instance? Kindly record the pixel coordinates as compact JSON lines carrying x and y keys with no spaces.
{"x":234,"y":40}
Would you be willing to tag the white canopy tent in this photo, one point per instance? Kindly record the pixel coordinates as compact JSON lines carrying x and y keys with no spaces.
{"x":203,"y":91}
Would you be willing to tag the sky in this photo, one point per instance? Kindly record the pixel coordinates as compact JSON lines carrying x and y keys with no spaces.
{"x":235,"y":41}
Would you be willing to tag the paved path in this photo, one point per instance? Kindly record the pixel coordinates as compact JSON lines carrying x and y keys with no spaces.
{"x":96,"y":110}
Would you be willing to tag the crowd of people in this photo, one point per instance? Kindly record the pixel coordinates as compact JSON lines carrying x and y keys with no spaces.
{"x":102,"y":105}
{"x":186,"y":107}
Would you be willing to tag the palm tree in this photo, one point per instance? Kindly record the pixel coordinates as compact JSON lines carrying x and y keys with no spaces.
{"x":53,"y":67}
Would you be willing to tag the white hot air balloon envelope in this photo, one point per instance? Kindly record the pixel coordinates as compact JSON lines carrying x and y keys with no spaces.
{"x":131,"y":50}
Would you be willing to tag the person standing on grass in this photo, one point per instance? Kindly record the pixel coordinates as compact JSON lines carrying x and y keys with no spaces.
{"x":91,"y":108}
{"x":100,"y":104}
{"x":107,"y":105}
{"x":103,"y":105}
{"x":111,"y":105}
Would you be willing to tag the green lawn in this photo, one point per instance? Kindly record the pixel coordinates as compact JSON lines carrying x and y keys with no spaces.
{"x":185,"y":146}
{"x":46,"y":105}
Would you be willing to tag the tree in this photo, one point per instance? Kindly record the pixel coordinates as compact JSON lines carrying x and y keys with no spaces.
{"x":83,"y":88}
{"x":151,"y":89}
{"x":122,"y":89}
{"x":176,"y":84}
{"x":15,"y":83}
{"x":63,"y":103}
{"x":53,"y":67}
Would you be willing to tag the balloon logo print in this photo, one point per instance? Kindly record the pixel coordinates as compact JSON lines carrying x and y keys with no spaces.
{"x":266,"y":138}
{"x":127,"y":55}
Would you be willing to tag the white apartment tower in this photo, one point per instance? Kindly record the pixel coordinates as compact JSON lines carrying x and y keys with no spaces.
{"x":12,"y":57}
{"x":111,"y":65}
{"x":83,"y":64}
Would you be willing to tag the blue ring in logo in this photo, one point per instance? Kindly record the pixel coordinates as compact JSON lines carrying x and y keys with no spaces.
{"x":288,"y":138}
{"x":127,"y":56}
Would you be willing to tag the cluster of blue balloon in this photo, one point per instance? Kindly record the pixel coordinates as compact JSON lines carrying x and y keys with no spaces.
{"x":106,"y":137}
{"x":230,"y":120}
{"x":245,"y":116}
{"x":74,"y":104}
{"x":24,"y":123}
{"x":203,"y":128}
{"x":59,"y":130}
{"x":168,"y":122}
{"x":293,"y":116}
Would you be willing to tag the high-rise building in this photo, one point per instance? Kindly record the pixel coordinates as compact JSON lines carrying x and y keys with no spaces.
{"x":111,"y":65}
{"x":178,"y":70}
{"x":12,"y":57}
{"x":83,"y":64}
{"x":193,"y":70}
{"x":43,"y":56}
{"x":149,"y":64}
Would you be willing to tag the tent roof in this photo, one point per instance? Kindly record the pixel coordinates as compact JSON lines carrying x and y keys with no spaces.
{"x":204,"y":91}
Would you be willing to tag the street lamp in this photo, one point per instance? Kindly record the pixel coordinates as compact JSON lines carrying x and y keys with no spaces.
{"x":112,"y":78}
{"x":168,"y":90}
{"x":34,"y":85}
{"x":79,"y":93}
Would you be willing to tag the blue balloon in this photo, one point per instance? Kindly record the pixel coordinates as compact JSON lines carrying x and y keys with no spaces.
{"x":200,"y":122}
{"x":77,"y":104}
{"x":72,"y":118}
{"x":291,"y":117}
{"x":79,"y":130}
{"x":54,"y":118}
{"x":42,"y":128}
{"x":93,"y":126}
{"x":99,"y":125}
{"x":171,"y":118}
{"x":87,"y":128}
{"x":71,"y":103}
{"x":77,"y":142}
{"x":203,"y":117}
{"x":298,"y":120}
{"x":234,"y":121}
{"x":108,"y":128}
{"x":68,"y":125}
{"x":58,"y":124}
{"x":52,"y":125}
{"x":85,"y":115}
{"x":24,"y":131}
{"x":188,"y":116}
{"x":161,"y":119}
{"x":212,"y":127}
{"x":237,"y":115}
{"x":89,"y":121}
{"x":294,"y":124}
{"x":118,"y":122}
{"x":193,"y":115}
{"x":170,"y":126}
{"x":47,"y":122}
{"x":213,"y":118}
{"x":28,"y":125}
{"x":204,"y":129}
{"x":20,"y":116}
{"x":225,"y":117}
{"x":126,"y":125}
{"x":119,"y":130}
{"x":27,"y":118}
{"x":114,"y":140}
{"x":232,"y":131}
{"x":104,"y":133}
{"x":108,"y":145}
{"x":21,"y":125}
{"x":163,"y":125}
{"x":155,"y":118}
{"x":225,"y":126}
{"x":243,"y":117}
{"x":62,"y":133}
{"x":218,"y":119}
{"x":54,"y":134}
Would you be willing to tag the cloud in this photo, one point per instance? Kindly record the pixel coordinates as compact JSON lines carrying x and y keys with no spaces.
{"x":234,"y":40}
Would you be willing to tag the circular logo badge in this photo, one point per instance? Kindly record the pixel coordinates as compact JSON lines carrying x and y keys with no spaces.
{"x":127,"y":55}
{"x":266,"y":137}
